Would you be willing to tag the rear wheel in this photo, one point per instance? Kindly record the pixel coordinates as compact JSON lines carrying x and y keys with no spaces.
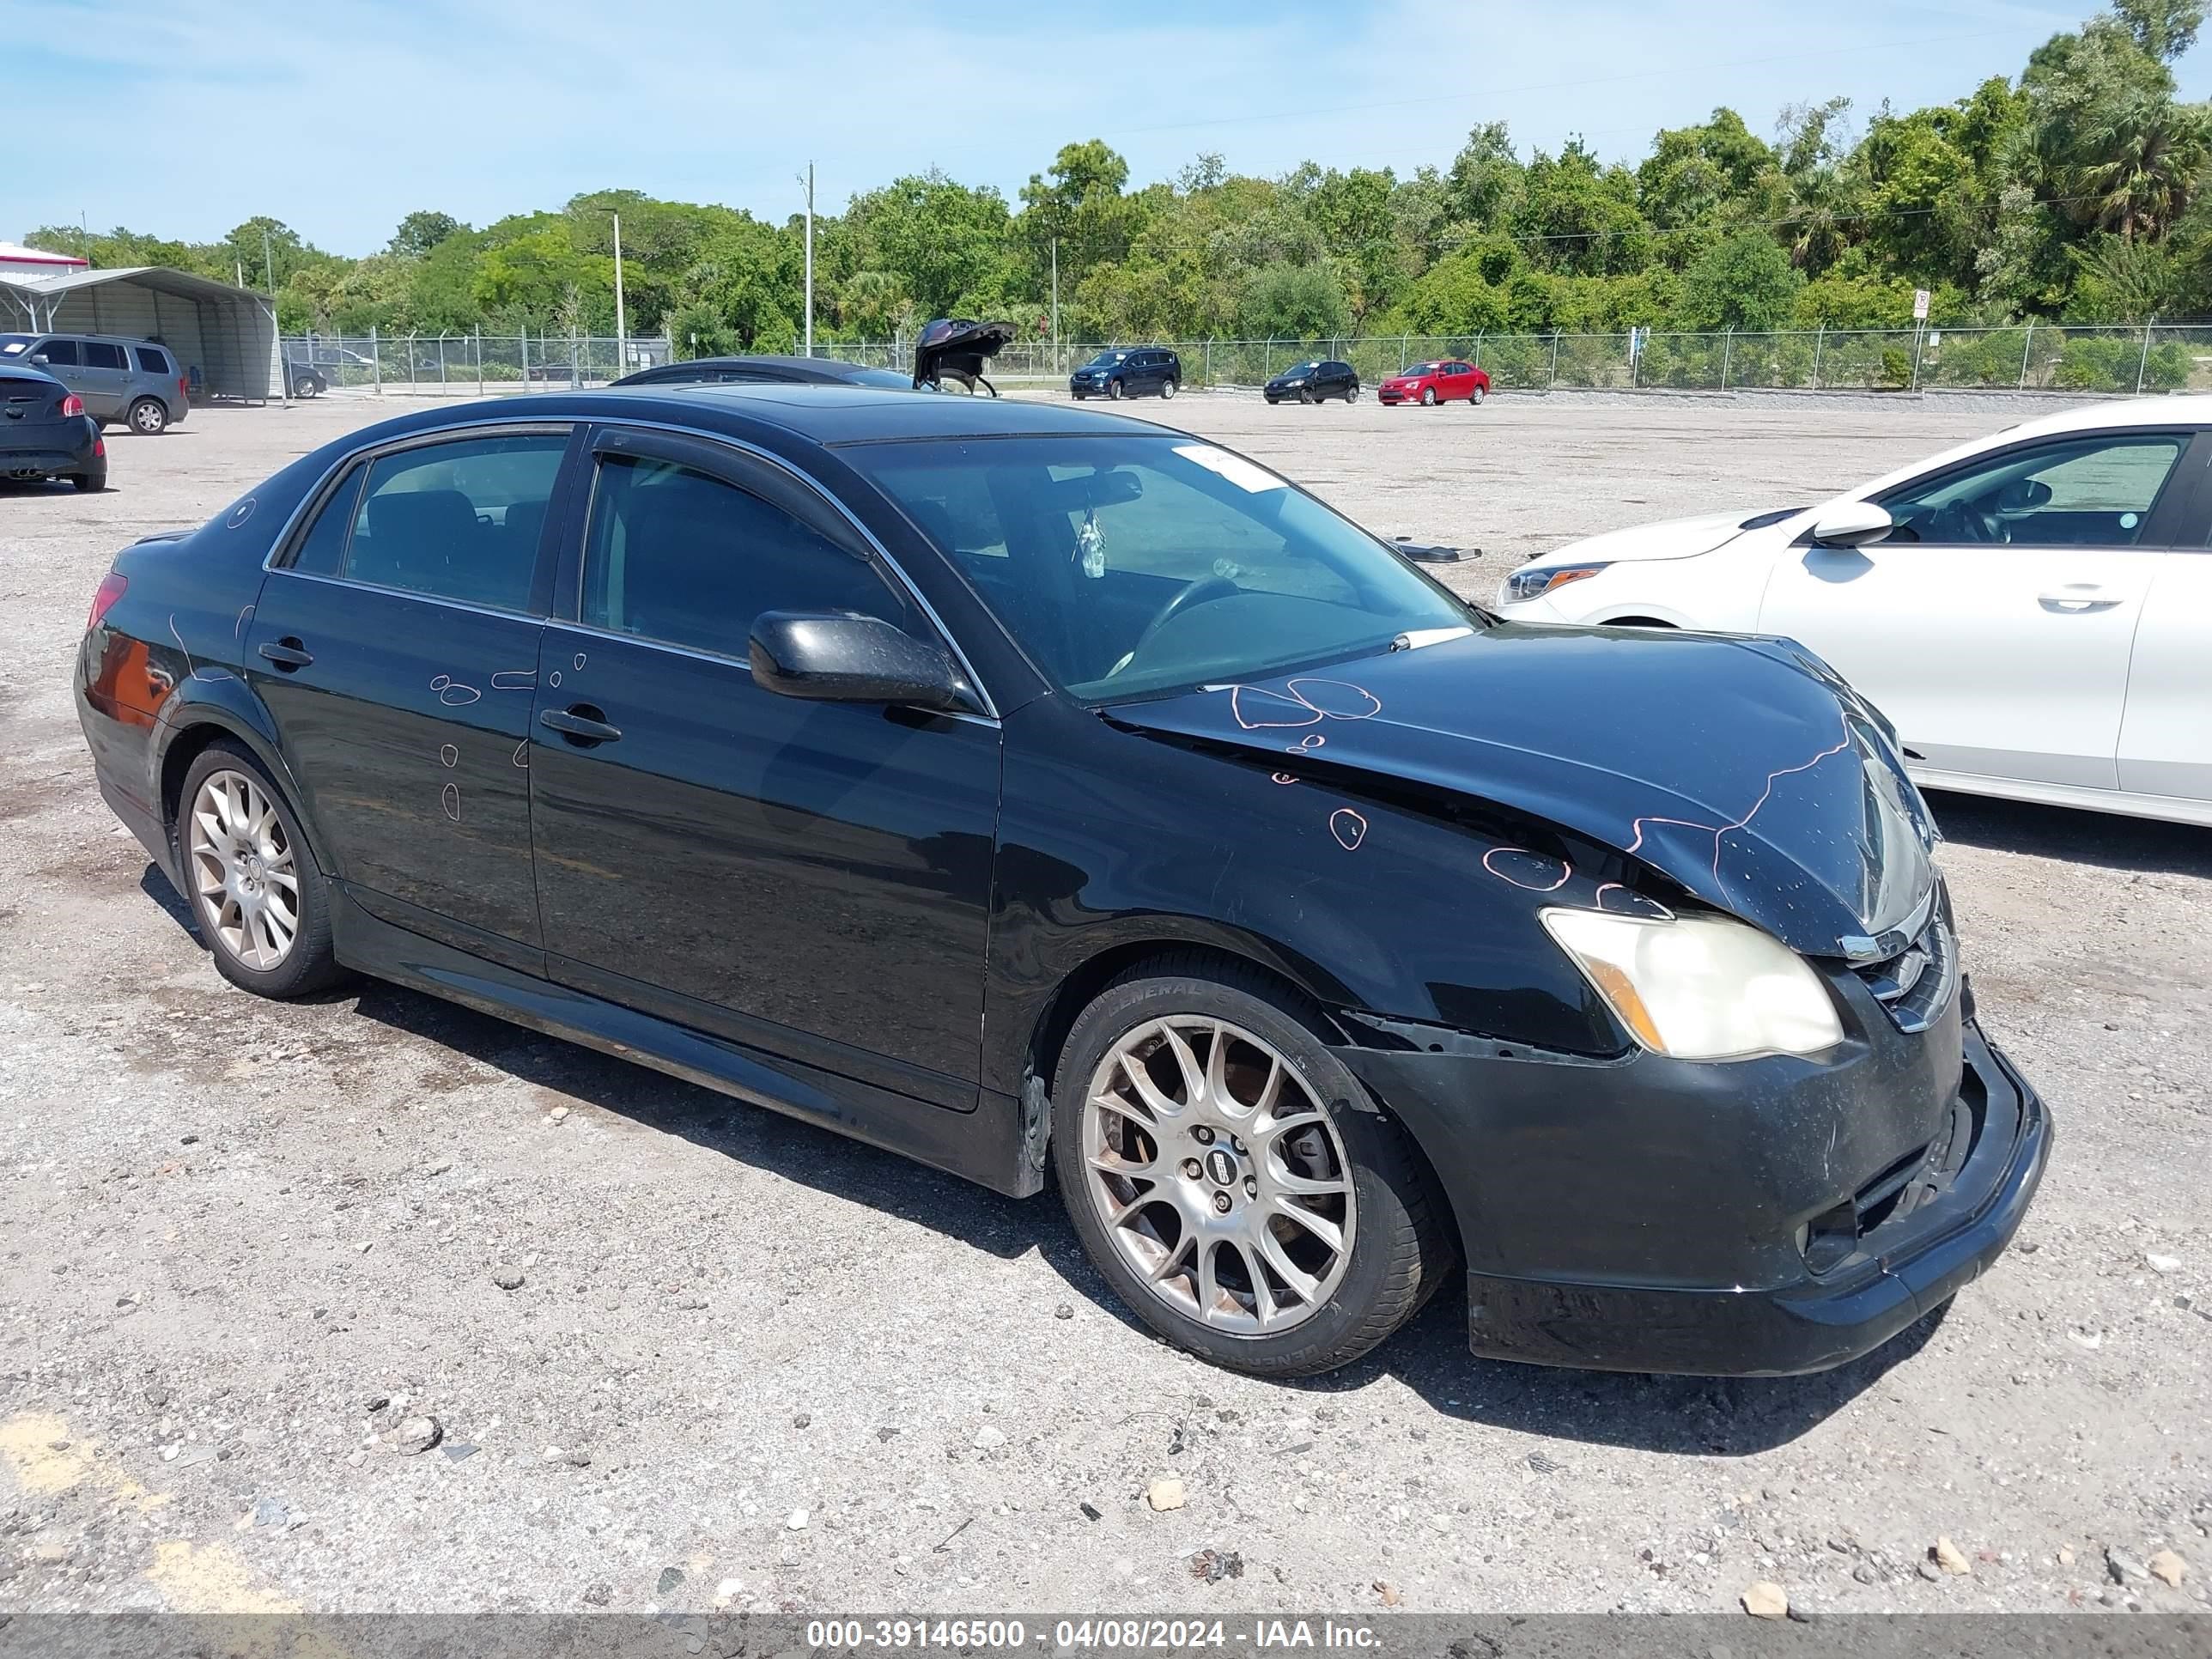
{"x":89,"y":483}
{"x":1475,"y":396}
{"x":1232,"y":1180}
{"x":306,"y":386}
{"x":261,"y":904}
{"x":1167,"y":388}
{"x":149,"y":416}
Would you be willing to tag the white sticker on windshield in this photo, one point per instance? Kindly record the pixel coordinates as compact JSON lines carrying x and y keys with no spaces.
{"x":1235,"y":468}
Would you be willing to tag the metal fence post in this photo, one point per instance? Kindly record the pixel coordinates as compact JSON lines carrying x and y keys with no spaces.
{"x":1552,"y":385}
{"x":1728,"y":352}
{"x":375,"y":361}
{"x":2143,"y":363}
{"x":1479,"y":333}
{"x":2026,"y":345}
{"x":441,"y":362}
{"x":525,"y":357}
{"x":1209,"y":359}
{"x":479,"y":346}
{"x":1634,"y":356}
{"x":1820,"y":339}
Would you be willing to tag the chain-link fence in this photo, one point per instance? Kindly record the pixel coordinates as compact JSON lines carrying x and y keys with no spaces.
{"x":2027,"y":357}
{"x":460,"y":365}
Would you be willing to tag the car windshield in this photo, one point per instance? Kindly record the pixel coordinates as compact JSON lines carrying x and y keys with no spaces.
{"x":1301,"y":369}
{"x":1107,"y":360}
{"x":14,"y":345}
{"x":881,"y":377}
{"x":1419,"y":369}
{"x":1132,"y":565}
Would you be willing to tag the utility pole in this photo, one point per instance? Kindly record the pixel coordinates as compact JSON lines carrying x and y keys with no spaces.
{"x":269,"y":271}
{"x":622,"y":316}
{"x":809,"y":182}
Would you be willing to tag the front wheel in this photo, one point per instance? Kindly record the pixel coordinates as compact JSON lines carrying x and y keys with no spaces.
{"x":1167,"y":388}
{"x":1232,"y":1180}
{"x":261,"y":903}
{"x":1428,"y":397}
{"x":1114,"y":390}
{"x":1352,"y":392}
{"x":148,"y":417}
{"x":304,"y":387}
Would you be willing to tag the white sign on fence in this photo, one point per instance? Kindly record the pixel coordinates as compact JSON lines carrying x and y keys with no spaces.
{"x":1919,"y":305}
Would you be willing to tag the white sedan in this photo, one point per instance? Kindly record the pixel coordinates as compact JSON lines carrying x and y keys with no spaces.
{"x":2033,"y":610}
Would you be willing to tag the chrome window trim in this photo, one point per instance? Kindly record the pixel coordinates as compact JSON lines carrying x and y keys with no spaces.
{"x":722,"y":659}
{"x":356,"y":586}
{"x":566,"y":425}
{"x":807,"y":481}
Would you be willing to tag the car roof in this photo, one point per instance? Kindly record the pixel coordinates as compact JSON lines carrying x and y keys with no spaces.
{"x":850,"y":414}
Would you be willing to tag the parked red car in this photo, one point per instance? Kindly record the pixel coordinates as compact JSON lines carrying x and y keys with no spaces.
{"x":1436,"y":383}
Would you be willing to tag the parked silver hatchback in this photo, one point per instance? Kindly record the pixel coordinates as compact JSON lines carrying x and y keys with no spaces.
{"x":120,"y":379}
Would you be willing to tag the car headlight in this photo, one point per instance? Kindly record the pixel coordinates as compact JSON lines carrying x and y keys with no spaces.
{"x":1700,"y":987}
{"x":1532,"y":580}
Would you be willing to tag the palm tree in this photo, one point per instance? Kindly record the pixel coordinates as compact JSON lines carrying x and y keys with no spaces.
{"x":2142,"y":161}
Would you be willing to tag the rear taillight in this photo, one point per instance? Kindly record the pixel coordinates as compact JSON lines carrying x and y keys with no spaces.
{"x":72,"y":404}
{"x":184,"y":387}
{"x":103,"y":600}
{"x":100,"y":446}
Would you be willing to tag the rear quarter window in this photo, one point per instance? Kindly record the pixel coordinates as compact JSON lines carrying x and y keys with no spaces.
{"x":153,"y":361}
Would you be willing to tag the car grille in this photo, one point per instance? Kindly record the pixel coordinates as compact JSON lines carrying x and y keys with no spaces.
{"x":1915,"y":986}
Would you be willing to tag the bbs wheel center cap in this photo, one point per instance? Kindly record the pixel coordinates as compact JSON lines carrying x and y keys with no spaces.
{"x":1221,"y":1166}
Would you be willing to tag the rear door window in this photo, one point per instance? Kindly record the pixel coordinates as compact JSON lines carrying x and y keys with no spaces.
{"x":458,"y":520}
{"x":102,"y":354}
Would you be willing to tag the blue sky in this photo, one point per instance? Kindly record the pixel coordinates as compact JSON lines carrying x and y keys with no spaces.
{"x":183,"y":117}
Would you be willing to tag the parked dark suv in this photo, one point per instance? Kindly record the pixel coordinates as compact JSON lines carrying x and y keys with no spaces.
{"x":118,"y":378}
{"x":1125,"y":372}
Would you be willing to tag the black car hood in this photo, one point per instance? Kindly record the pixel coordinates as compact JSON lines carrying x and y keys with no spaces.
{"x":1743,"y":769}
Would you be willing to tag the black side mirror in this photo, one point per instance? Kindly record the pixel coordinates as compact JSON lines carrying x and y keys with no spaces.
{"x":833,"y":657}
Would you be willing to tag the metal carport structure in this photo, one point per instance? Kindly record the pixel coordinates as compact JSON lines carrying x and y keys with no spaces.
{"x":226,"y":335}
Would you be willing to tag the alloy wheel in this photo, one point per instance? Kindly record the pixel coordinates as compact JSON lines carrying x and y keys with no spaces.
{"x":1221,"y":1181}
{"x":242,"y":870}
{"x":147,"y":416}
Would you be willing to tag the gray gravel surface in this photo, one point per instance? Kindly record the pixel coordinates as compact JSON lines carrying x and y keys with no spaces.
{"x":369,"y":1303}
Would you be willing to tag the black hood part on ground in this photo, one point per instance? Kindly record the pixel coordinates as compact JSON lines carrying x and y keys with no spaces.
{"x":1742,"y":770}
{"x":958,"y":347}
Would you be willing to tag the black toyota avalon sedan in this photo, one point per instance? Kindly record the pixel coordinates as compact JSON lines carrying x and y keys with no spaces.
{"x":1030,"y":790}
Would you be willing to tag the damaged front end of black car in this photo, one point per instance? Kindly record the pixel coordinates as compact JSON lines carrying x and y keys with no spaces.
{"x":1696,"y":1061}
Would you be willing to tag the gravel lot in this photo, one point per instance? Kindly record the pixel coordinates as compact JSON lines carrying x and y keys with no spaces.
{"x":745,"y":1362}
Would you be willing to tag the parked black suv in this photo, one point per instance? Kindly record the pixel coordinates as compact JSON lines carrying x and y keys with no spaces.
{"x":1125,"y":372}
{"x":1312,"y":381}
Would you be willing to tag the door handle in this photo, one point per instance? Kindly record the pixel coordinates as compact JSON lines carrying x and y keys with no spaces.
{"x":580,"y":723}
{"x":288,"y":654}
{"x":2077,"y":598}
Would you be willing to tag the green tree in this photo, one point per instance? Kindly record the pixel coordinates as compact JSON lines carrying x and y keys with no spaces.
{"x":1485,"y":182}
{"x":1744,"y":282}
{"x":420,"y":231}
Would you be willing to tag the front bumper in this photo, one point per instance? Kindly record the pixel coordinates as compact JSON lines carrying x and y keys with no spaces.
{"x":1391,"y":394}
{"x":1672,"y":1253}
